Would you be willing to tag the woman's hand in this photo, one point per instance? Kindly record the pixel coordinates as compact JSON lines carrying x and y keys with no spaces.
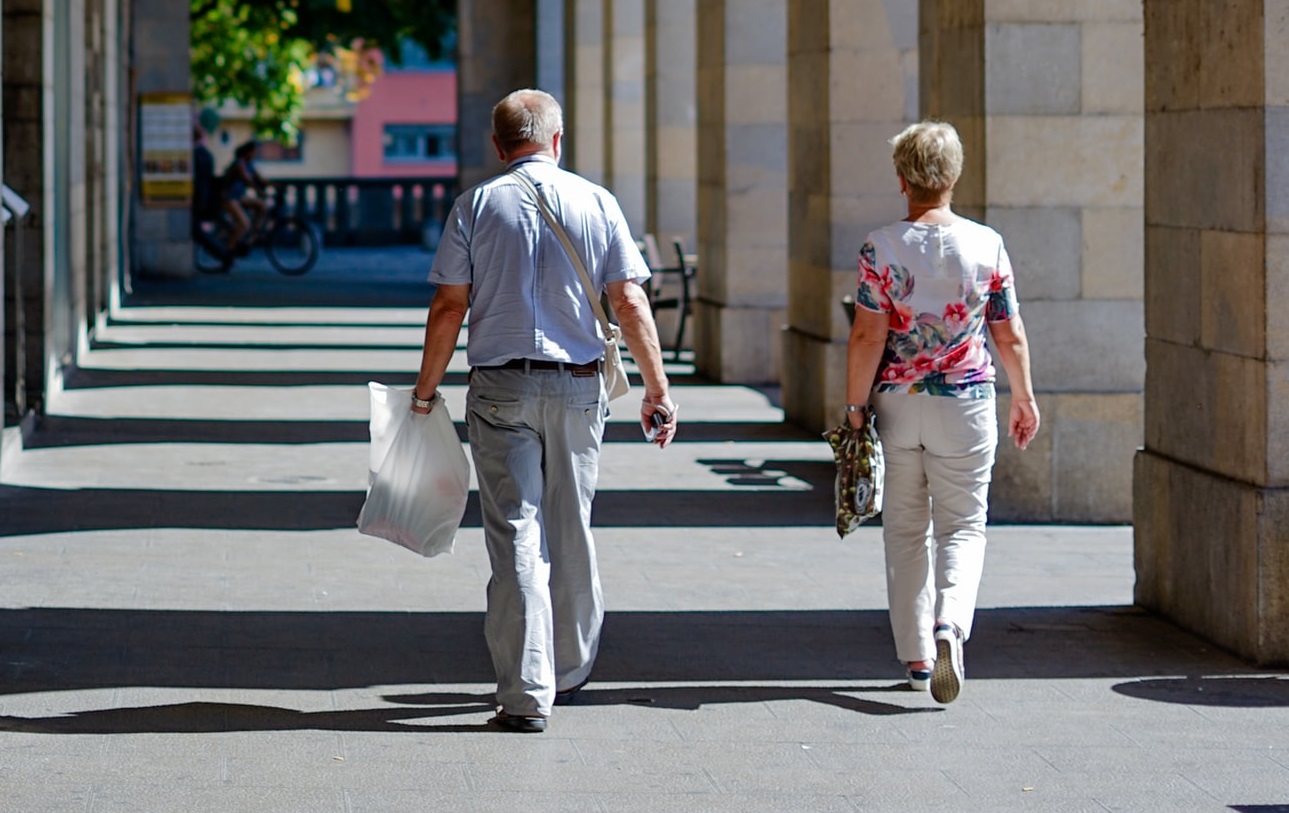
{"x":856,"y":417}
{"x":1022,"y":424}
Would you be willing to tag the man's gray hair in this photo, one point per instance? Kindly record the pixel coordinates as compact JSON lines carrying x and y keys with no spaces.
{"x":527,"y":117}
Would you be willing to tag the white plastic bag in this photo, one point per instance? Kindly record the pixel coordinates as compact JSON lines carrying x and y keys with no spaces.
{"x":418,"y":471}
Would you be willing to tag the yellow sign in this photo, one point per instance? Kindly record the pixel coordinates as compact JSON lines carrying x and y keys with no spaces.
{"x":165,"y":149}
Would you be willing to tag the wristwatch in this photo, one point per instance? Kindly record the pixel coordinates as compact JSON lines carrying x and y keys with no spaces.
{"x":856,"y":407}
{"x":421,"y":403}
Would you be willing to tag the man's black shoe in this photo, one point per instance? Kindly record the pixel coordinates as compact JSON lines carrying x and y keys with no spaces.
{"x":519,"y":725}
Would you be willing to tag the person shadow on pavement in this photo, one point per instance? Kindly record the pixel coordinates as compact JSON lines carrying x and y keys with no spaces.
{"x":200,"y":717}
{"x":681,"y":660}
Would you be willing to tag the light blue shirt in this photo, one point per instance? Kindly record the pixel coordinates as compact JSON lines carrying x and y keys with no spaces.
{"x":526,"y":297}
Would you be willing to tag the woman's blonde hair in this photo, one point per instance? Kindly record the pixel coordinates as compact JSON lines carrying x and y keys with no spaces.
{"x":527,"y":117}
{"x":928,"y":156}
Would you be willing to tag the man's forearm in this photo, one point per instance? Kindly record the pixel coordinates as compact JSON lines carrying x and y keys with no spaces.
{"x":641,"y":335}
{"x":442,"y":328}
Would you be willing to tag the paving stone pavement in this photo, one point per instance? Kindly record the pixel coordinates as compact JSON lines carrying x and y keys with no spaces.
{"x":190,"y":622}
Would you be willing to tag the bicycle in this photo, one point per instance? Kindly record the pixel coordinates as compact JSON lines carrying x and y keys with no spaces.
{"x":291,"y":243}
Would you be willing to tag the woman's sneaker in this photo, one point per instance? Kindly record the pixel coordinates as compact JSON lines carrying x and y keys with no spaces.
{"x":946,"y":676}
{"x":919,"y":679}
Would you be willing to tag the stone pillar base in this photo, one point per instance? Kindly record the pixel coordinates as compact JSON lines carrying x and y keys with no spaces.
{"x":738,"y":345}
{"x":814,"y":380}
{"x":1212,"y":554}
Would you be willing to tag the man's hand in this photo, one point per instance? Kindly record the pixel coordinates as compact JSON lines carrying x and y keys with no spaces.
{"x":664,"y":431}
{"x":422,"y":406}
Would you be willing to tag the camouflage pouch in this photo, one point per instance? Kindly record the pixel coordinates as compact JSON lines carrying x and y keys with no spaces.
{"x":861,"y":471}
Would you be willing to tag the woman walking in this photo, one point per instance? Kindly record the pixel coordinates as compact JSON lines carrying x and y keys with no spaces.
{"x":930,"y":287}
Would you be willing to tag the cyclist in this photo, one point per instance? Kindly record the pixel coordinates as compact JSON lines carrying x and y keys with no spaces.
{"x":239,"y":178}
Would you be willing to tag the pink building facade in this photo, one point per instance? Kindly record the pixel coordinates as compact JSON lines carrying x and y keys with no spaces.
{"x":406,"y":126}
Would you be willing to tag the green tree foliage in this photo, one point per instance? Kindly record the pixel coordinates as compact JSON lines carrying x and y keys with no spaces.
{"x":255,"y":52}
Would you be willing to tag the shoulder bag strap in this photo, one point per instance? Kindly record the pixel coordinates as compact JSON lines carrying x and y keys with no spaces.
{"x":587,"y":286}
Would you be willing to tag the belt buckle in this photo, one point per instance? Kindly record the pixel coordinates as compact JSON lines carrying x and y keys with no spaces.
{"x":589,"y":371}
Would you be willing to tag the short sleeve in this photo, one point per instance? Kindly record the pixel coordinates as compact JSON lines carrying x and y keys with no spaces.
{"x":874,"y":290}
{"x":1002,"y":304}
{"x":623,"y":260}
{"x":452,"y":264}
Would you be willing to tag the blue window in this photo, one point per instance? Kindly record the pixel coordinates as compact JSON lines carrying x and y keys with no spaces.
{"x":419,"y":142}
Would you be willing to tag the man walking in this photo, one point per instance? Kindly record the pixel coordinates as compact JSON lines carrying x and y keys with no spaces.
{"x":536,"y":403}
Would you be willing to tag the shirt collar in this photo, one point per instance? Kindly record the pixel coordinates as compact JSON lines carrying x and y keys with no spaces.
{"x":537,"y":156}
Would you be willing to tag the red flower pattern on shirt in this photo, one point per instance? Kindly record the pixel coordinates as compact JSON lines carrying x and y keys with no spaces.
{"x":936,"y":343}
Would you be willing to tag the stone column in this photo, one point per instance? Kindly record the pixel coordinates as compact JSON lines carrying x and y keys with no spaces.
{"x":852,"y":84}
{"x":73,"y":314}
{"x":162,"y":244}
{"x":671,"y":117}
{"x":584,"y":110}
{"x":5,"y":387}
{"x":1211,"y":487}
{"x":28,"y":125}
{"x":1047,"y":95}
{"x":742,"y":190}
{"x":624,"y":68}
{"x":671,"y":147}
{"x":496,"y":53}
{"x":551,"y":52}
{"x":103,"y":148}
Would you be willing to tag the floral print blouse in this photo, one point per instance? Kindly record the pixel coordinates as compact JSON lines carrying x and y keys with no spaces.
{"x":941,"y":284}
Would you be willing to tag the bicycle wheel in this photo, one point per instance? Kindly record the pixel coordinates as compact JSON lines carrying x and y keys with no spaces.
{"x":293,"y":246}
{"x":208,"y":244}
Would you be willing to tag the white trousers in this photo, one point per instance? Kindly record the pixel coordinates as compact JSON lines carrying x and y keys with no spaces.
{"x":535,"y":437}
{"x":939,"y":461}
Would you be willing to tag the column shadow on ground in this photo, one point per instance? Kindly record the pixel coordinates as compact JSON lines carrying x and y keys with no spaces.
{"x":63,"y":431}
{"x":30,"y":510}
{"x":690,"y":657}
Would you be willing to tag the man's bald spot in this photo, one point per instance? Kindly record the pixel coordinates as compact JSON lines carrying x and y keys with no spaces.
{"x":527,"y":117}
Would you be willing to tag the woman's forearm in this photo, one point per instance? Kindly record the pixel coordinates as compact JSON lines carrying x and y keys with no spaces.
{"x":1013,"y":351}
{"x":864,"y":353}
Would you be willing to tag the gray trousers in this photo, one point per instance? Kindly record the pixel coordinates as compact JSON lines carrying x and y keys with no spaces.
{"x":535,"y":437}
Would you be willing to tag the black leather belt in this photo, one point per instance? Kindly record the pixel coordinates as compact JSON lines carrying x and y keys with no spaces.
{"x":589,"y":369}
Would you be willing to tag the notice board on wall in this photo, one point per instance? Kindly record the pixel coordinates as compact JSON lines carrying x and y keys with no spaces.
{"x":165,"y":149}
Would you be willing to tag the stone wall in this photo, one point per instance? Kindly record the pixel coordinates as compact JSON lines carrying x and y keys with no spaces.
{"x":671,"y":141}
{"x":584,"y":111}
{"x":496,"y":53}
{"x":852,"y":84}
{"x":671,"y":118}
{"x":742,"y":189}
{"x":1047,"y":95}
{"x":625,"y":104}
{"x":1211,"y":489}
